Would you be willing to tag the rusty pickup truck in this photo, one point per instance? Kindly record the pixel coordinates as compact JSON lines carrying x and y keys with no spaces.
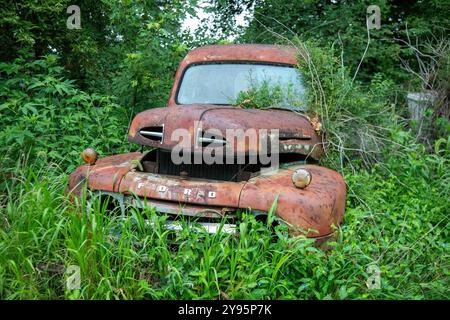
{"x":205,"y":157}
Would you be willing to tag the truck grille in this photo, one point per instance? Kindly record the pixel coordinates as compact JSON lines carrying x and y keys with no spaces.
{"x":228,"y":172}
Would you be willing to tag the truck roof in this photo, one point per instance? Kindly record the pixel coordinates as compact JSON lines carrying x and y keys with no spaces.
{"x":243,"y":52}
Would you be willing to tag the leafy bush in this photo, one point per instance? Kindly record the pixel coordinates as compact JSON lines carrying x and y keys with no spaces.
{"x":44,"y":116}
{"x":268,"y":95}
{"x":356,"y":120}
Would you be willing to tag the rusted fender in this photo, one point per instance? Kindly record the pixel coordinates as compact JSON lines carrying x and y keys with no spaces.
{"x":105,"y":175}
{"x":319,"y":206}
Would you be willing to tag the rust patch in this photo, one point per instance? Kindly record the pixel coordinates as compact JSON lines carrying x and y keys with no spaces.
{"x":318,"y":206}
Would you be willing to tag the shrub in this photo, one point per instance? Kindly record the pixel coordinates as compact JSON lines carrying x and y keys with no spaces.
{"x":266,"y":94}
{"x":44,"y":117}
{"x":356,"y":119}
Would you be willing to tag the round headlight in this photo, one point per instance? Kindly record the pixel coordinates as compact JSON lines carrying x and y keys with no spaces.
{"x":301,"y":178}
{"x":89,"y":156}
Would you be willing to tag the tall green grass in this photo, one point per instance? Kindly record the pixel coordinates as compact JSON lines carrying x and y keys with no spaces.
{"x":397,"y":221}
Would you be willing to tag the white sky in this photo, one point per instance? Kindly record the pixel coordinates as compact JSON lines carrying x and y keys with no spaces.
{"x":192,"y":23}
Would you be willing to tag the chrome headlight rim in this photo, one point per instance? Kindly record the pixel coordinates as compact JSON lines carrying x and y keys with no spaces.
{"x":301,"y":178}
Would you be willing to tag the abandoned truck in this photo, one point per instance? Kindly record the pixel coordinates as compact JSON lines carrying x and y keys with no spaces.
{"x":172,"y":175}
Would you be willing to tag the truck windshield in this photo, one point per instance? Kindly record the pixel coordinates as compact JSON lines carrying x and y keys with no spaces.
{"x":225,"y":83}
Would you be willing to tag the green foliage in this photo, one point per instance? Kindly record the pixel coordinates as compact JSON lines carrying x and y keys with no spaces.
{"x":356,"y":119}
{"x":129,"y":49}
{"x":44,"y":117}
{"x":268,"y":95}
{"x":142,"y":54}
{"x":341,"y":24}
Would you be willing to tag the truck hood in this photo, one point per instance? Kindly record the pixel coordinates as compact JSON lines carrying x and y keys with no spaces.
{"x":181,"y":126}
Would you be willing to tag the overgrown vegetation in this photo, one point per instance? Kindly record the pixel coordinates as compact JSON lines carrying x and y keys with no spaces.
{"x":397,"y":221}
{"x":357,"y":121}
{"x":80,"y":88}
{"x":46,"y":118}
{"x":266,"y":94}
